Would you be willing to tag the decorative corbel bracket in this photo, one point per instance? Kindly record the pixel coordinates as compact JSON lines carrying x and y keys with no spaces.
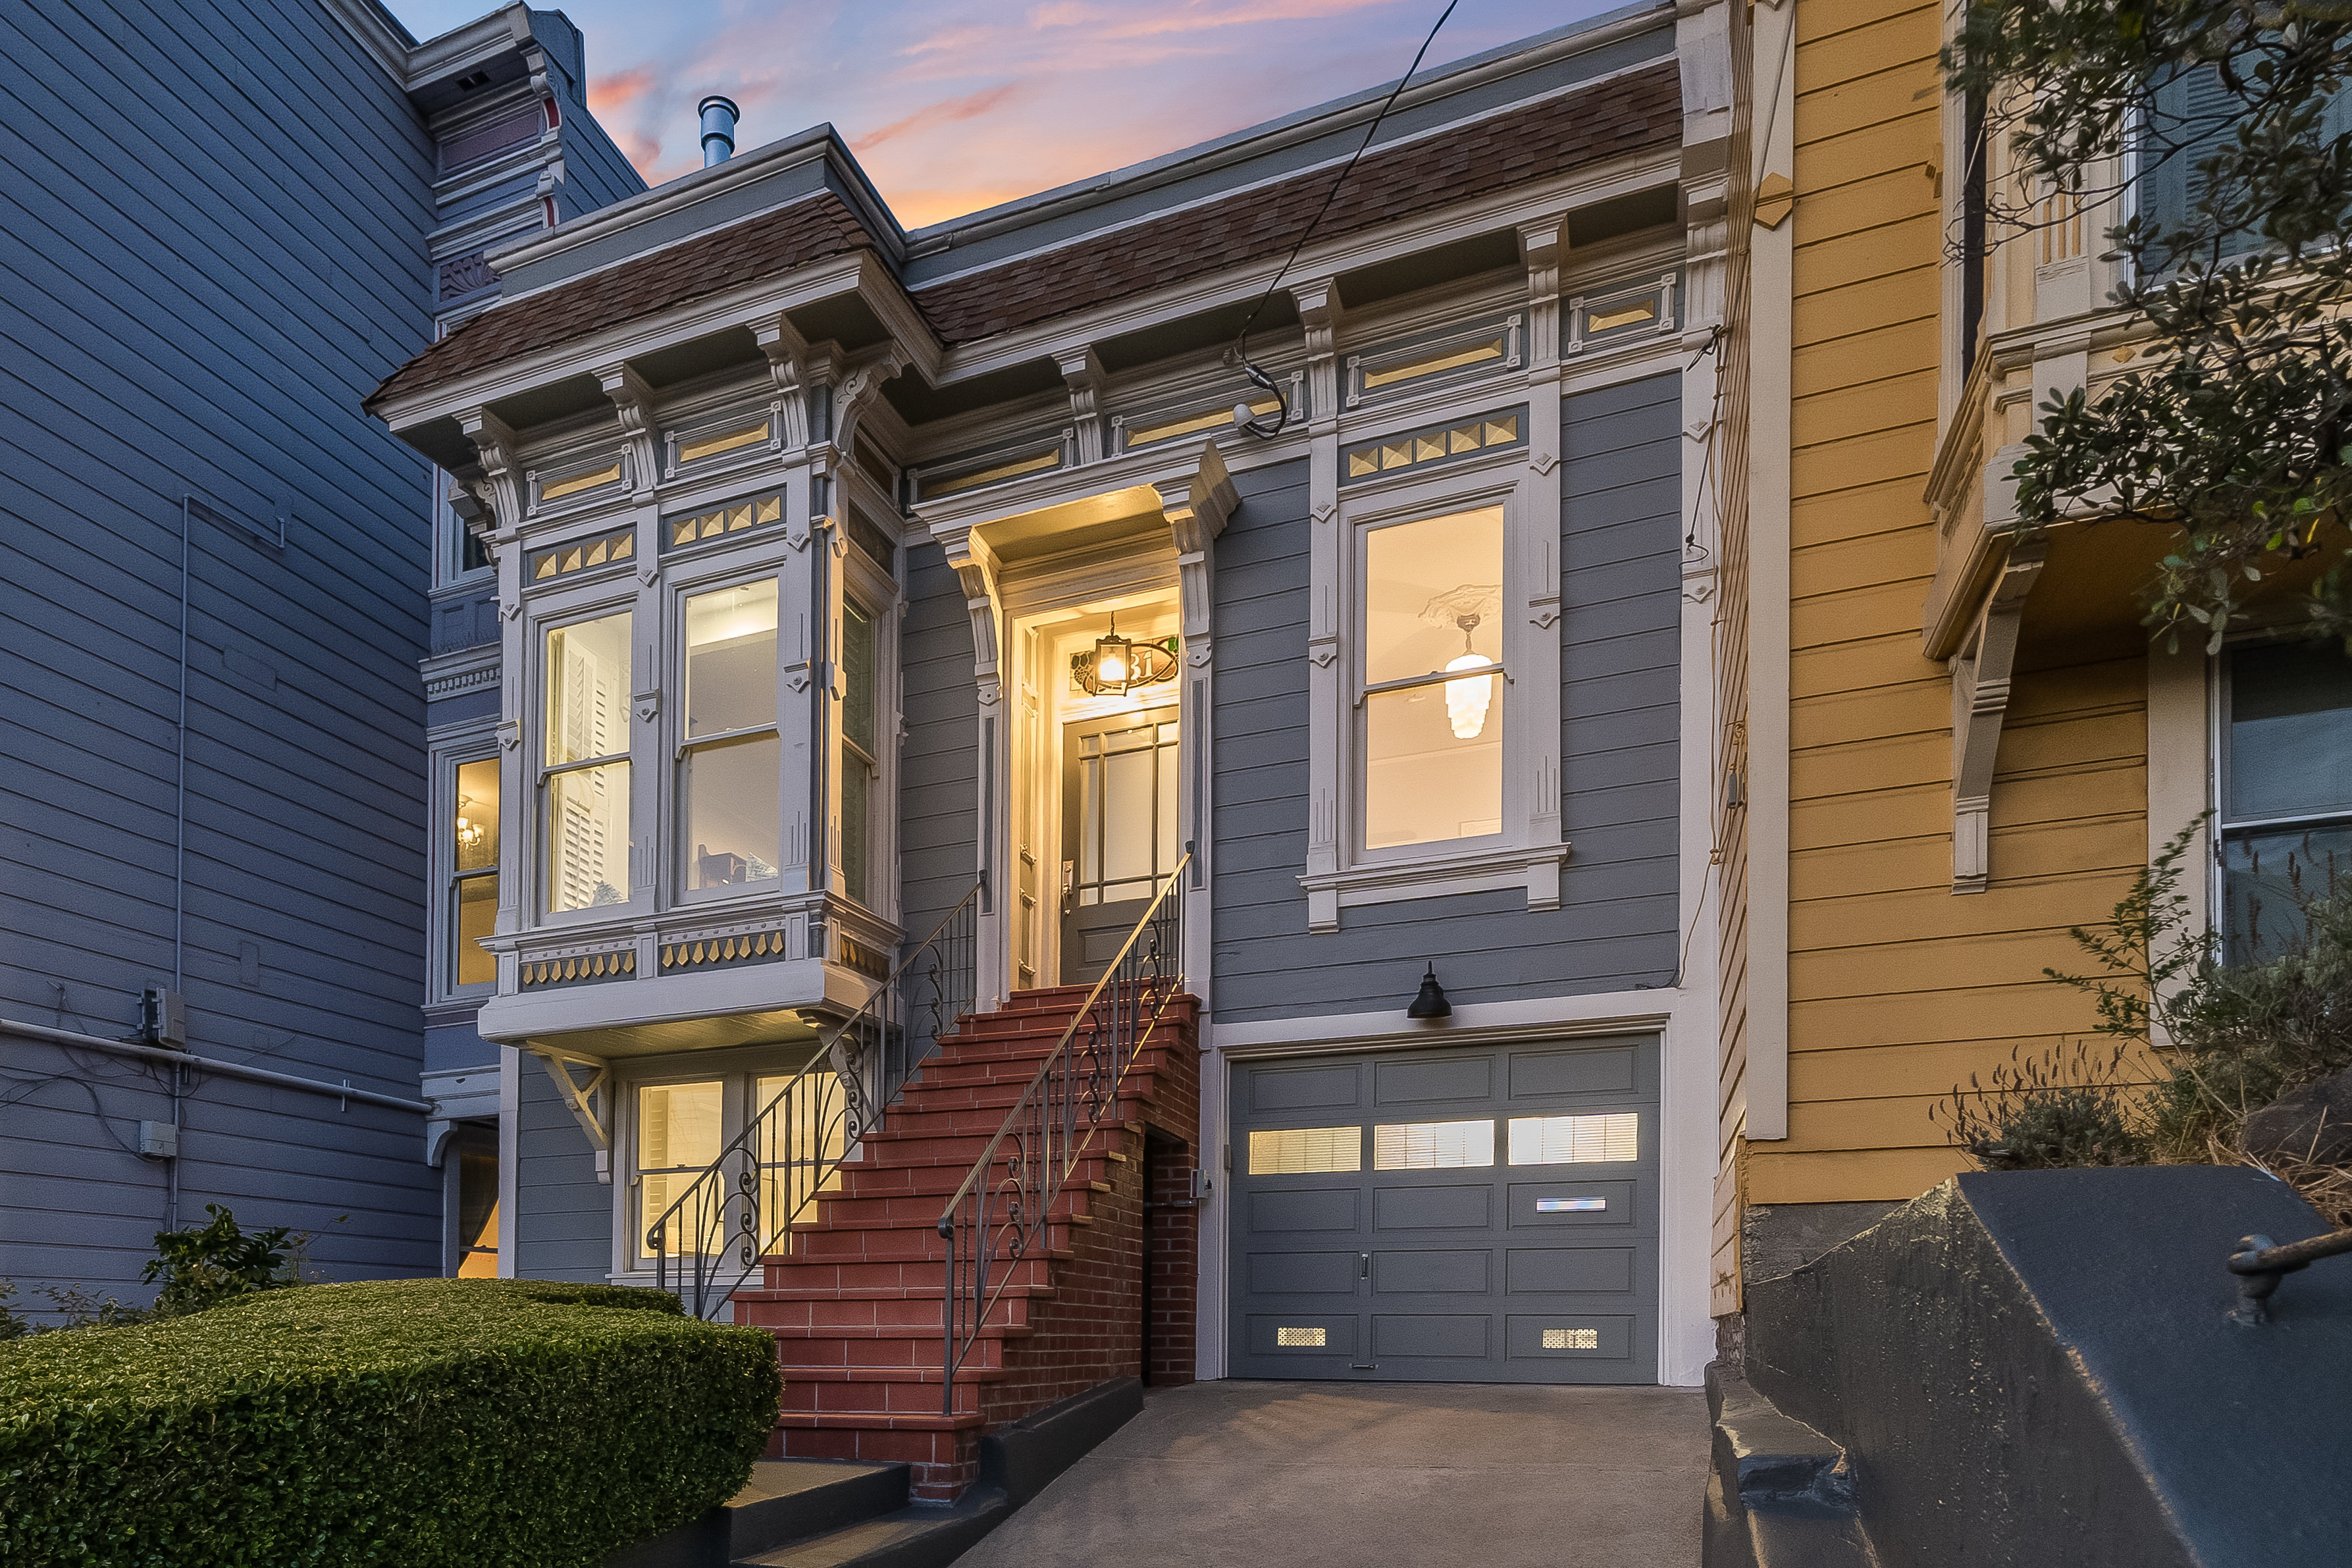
{"x":1196,"y":514}
{"x":976,"y":568}
{"x":590,"y":1103}
{"x":1083,"y":373}
{"x":495,"y":444}
{"x":1321,"y":312}
{"x":633,"y":400}
{"x":861,"y":382}
{"x":1981,"y":688}
{"x":1543,"y":247}
{"x":785,"y":349}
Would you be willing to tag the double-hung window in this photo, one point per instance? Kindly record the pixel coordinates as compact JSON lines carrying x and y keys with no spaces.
{"x":585,"y":777}
{"x":2286,"y":787}
{"x":861,"y":766}
{"x":1431,"y":718}
{"x":730,"y":759}
{"x":473,"y":862}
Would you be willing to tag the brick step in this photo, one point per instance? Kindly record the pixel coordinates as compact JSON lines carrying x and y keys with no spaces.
{"x":887,"y":1212}
{"x":792,"y":1277}
{"x":973,"y":1127}
{"x":906,"y":1350}
{"x":902,"y":1243}
{"x":817,"y":1314}
{"x":889,"y":1420}
{"x":960,"y":1151}
{"x":999,"y":1095}
{"x":938,"y":1181}
{"x":988,"y":1069}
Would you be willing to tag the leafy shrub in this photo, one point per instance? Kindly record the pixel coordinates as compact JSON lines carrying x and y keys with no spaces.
{"x":494,"y":1424}
{"x":2049,"y":1112}
{"x":205,"y":1265}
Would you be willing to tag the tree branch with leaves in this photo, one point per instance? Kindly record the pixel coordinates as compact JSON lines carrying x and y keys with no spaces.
{"x":2237,"y":434}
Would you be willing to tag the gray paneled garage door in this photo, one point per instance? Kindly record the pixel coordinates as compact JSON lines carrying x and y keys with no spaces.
{"x":1481,"y":1214}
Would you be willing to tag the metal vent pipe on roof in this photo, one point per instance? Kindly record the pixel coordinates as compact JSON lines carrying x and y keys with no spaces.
{"x":719,"y":116}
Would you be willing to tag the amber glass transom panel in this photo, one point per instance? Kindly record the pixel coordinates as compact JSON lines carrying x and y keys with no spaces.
{"x":717,"y":442}
{"x":1433,"y":662}
{"x":757,"y":512}
{"x":584,"y":555}
{"x":1432,"y":1145}
{"x":1615,"y":1139}
{"x":731,"y":764}
{"x":587,"y":697}
{"x":474,"y":865}
{"x":1439,"y":441}
{"x":679,"y":1128}
{"x":1306,"y":1151}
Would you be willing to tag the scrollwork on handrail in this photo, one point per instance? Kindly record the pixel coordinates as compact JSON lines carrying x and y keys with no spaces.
{"x":732,"y":1214}
{"x":994,"y":1220}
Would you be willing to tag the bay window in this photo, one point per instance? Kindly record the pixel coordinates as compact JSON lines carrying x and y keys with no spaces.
{"x":1431,"y":675}
{"x":730,"y":759}
{"x":473,"y":860}
{"x":584,"y":777}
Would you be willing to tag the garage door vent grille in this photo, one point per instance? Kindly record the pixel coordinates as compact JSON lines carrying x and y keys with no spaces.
{"x":1312,"y":1339}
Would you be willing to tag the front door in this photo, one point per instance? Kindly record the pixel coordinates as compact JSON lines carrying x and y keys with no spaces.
{"x":1118,"y":832}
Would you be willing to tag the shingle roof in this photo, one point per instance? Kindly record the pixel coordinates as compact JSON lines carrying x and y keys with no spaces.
{"x":1625,"y":114}
{"x":763,"y":246}
{"x":1639,"y":109}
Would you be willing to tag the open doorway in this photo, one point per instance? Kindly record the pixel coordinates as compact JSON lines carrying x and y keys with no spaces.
{"x":1097,"y":782}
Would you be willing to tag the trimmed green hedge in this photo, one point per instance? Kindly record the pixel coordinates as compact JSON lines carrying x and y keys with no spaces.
{"x":487,"y":1422}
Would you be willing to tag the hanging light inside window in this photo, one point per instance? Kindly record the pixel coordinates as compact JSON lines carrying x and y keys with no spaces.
{"x":1467,"y":699}
{"x":469,"y":832}
{"x":1119,"y":665}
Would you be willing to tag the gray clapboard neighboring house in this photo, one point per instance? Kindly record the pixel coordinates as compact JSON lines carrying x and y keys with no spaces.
{"x":223,"y":225}
{"x":856,"y":584}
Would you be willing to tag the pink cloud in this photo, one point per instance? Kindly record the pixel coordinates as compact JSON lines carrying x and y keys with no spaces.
{"x":947,"y":112}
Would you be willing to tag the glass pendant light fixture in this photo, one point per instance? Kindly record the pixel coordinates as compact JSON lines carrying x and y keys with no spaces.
{"x":1467,"y":698}
{"x":1119,"y":665}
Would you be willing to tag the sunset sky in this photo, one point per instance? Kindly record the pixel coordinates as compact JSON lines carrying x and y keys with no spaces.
{"x":952,"y":107}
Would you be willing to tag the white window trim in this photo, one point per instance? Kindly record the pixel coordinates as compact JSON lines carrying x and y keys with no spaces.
{"x":1529,"y":852}
{"x":477,"y":743}
{"x":711,"y":574}
{"x":877,"y":594}
{"x":739,"y":1069}
{"x":593,"y":601}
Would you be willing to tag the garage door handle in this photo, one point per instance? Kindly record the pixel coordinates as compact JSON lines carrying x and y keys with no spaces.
{"x":1366,"y":1272}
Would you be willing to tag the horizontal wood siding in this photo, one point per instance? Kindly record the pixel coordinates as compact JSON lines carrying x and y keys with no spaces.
{"x":1899,"y":989}
{"x":204,"y":275}
{"x":938,"y":759}
{"x":1616,"y":928}
{"x":564,"y":1215}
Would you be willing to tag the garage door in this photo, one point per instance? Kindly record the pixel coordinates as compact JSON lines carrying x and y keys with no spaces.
{"x":1483,"y":1214}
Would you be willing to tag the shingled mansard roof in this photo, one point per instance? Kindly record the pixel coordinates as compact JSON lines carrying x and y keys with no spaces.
{"x":1628,"y":114}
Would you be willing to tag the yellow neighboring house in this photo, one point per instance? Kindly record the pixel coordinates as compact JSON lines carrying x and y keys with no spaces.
{"x":1940,"y":746}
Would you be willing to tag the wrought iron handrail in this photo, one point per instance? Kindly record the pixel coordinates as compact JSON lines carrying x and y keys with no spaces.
{"x":2261,"y":1264}
{"x":994,"y":1220}
{"x":745,"y":1200}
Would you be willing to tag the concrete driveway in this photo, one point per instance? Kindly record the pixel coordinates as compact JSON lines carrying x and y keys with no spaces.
{"x":1306,"y":1475}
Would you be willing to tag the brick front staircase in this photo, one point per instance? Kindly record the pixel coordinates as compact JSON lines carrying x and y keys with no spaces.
{"x":855,"y":1303}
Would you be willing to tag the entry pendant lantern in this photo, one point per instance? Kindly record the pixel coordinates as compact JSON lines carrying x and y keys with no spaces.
{"x":1119,"y":665}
